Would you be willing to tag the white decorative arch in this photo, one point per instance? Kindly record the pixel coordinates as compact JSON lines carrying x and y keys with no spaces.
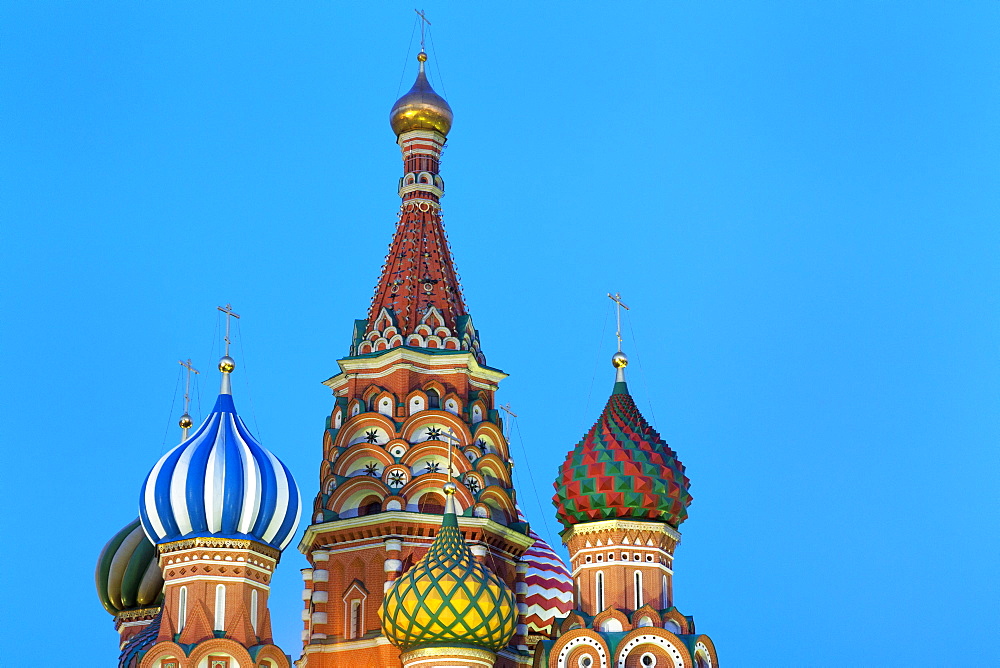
{"x":602,"y":656}
{"x":702,"y":656}
{"x":661,"y":642}
{"x":612,"y":625}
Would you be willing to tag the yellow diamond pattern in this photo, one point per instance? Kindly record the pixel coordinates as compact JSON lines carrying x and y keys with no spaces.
{"x":449,"y":598}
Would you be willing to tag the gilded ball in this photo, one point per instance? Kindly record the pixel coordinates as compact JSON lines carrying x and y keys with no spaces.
{"x":619,"y":360}
{"x":185,"y":421}
{"x":227,"y":364}
{"x":422,"y":57}
{"x":450,"y":488}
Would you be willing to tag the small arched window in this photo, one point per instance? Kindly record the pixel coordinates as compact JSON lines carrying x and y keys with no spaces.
{"x":433,"y":399}
{"x":182,"y":608}
{"x":370,"y":506}
{"x":431,"y":504}
{"x":253,"y":609}
{"x":638,"y":589}
{"x":355,"y":622}
{"x":220,"y":607}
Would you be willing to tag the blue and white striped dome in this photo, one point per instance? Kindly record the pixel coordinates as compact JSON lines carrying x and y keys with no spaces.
{"x":220,"y":482}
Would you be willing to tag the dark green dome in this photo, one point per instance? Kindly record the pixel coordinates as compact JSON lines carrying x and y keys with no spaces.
{"x":128,"y":575}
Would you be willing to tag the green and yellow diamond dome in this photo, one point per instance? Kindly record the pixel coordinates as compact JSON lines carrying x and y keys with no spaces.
{"x":448,"y":598}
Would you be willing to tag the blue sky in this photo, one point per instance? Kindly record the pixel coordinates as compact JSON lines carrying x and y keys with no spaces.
{"x":799,"y":201}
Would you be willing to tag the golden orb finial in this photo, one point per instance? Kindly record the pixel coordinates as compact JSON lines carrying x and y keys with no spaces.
{"x":227,"y":364}
{"x":422,"y":57}
{"x":619,"y":360}
{"x":185,"y":422}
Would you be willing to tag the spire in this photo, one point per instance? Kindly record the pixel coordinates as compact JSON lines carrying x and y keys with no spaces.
{"x":418,"y":298}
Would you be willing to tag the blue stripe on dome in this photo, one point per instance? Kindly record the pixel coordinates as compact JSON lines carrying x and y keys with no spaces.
{"x":194,"y":481}
{"x":161,"y":490}
{"x":232,"y":481}
{"x":269,"y":491}
{"x":240,"y":478}
{"x":288,"y":527}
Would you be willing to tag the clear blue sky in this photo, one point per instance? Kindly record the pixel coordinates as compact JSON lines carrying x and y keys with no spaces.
{"x":799,"y":201}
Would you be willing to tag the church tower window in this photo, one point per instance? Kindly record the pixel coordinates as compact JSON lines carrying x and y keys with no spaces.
{"x":220,"y":607}
{"x":182,"y":605}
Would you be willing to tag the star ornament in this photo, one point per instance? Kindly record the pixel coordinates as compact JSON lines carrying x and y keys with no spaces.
{"x":372,"y":436}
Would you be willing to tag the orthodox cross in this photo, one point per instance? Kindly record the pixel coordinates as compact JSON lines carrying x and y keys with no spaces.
{"x":187,"y":383}
{"x":185,"y":421}
{"x":506,"y":409}
{"x":228,"y":310}
{"x":423,"y":25}
{"x":451,"y":444}
{"x":617,"y":299}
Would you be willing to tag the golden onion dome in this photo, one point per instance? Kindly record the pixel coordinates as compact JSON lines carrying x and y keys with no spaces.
{"x":448,"y":598}
{"x":421,"y":108}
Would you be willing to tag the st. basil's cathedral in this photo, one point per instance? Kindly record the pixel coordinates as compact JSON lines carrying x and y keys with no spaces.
{"x":418,"y":553}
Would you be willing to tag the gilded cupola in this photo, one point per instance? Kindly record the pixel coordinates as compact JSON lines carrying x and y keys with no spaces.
{"x":421,"y":108}
{"x":449,"y":599}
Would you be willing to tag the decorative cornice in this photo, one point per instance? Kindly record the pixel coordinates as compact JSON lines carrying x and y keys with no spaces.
{"x":374,"y":365}
{"x":619,"y":525}
{"x":137,"y":614}
{"x":335,"y":645}
{"x":388,"y":524}
{"x":446,"y":651}
{"x":212,"y":542}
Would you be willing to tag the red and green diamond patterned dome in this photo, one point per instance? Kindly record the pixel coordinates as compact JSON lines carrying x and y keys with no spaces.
{"x":622,"y":469}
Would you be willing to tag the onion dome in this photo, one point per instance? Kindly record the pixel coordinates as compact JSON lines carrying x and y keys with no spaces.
{"x":128,"y":575}
{"x":421,"y":108}
{"x":221,"y":482}
{"x":550,"y":586}
{"x":622,"y":468}
{"x":448,"y":598}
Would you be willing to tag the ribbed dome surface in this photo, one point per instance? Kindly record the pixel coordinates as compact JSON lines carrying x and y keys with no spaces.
{"x":220,"y":482}
{"x":449,"y":599}
{"x":128,"y":576}
{"x":621,"y":469}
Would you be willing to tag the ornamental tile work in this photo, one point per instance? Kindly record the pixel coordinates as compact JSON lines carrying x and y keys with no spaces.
{"x":621,"y":468}
{"x":548,"y":585}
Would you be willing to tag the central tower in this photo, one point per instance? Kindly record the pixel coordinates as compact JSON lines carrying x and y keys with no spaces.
{"x":413,"y":416}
